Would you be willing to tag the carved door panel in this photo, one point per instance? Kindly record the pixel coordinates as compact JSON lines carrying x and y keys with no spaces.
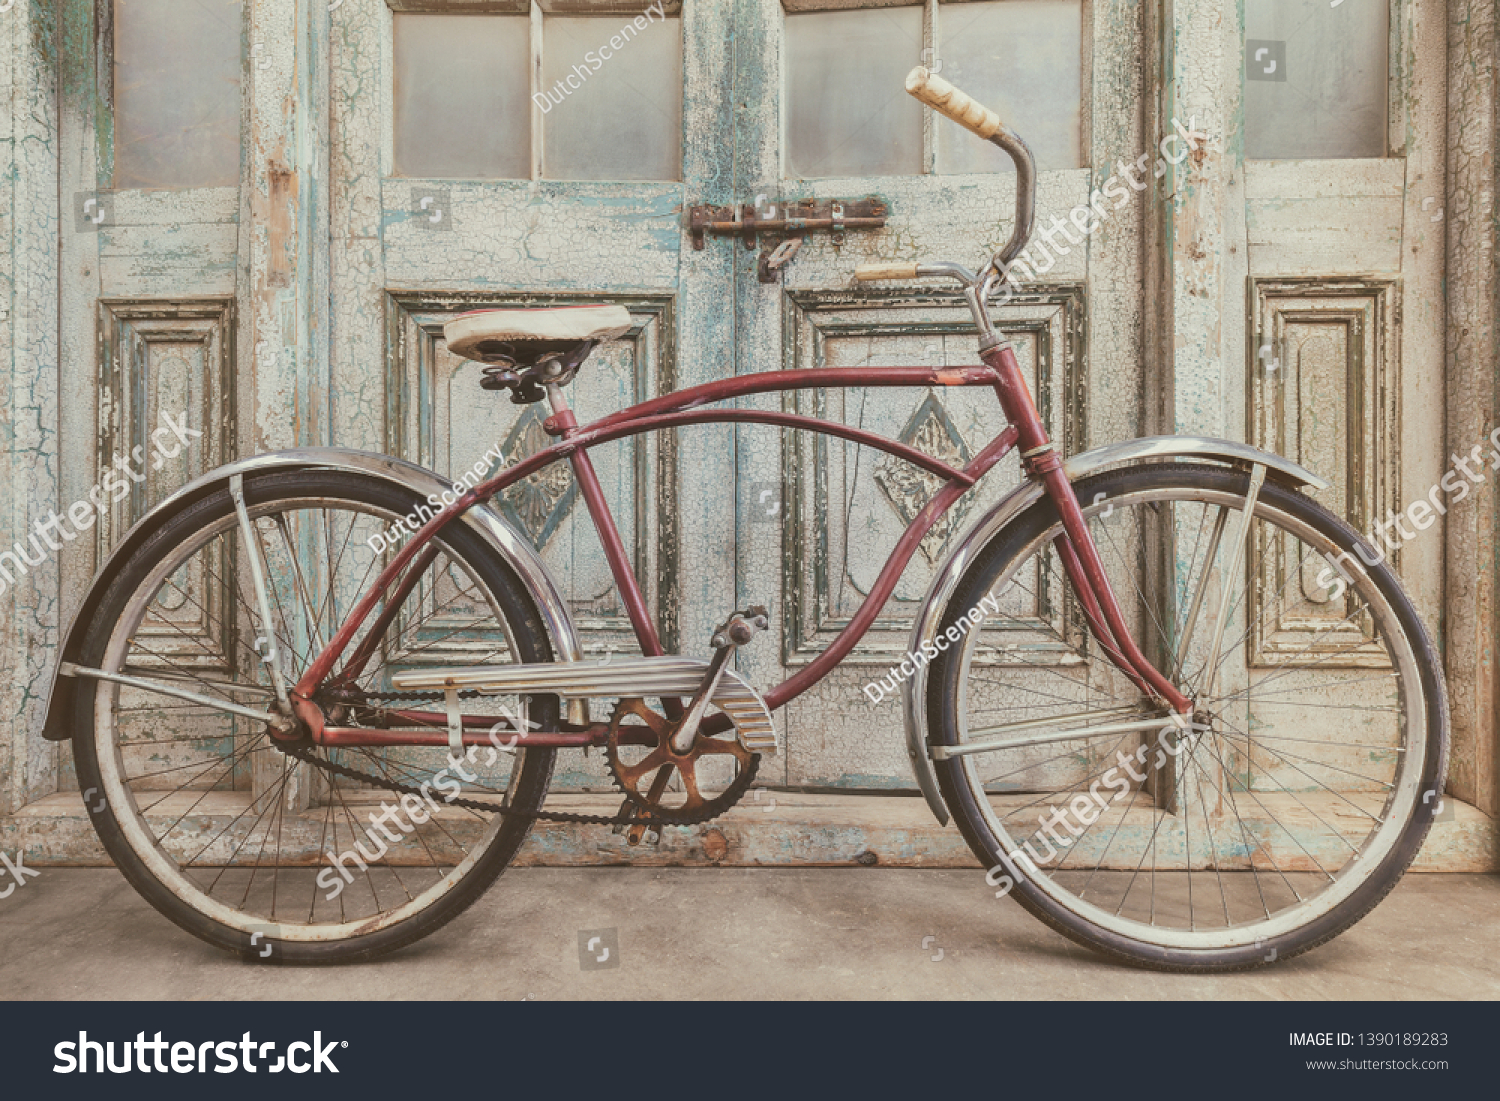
{"x":520,"y":153}
{"x":1343,"y":236}
{"x":152,"y":112}
{"x":818,"y":517}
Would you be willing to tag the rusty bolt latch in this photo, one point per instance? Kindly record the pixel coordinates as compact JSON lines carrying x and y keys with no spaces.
{"x":778,"y":227}
{"x":785,"y":218}
{"x":771,"y":262}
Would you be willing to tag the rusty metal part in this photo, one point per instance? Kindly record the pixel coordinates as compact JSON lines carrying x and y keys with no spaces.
{"x":662,"y":759}
{"x":785,"y":219}
{"x":309,"y":756}
{"x":741,"y":627}
{"x":630,"y":813}
{"x":772,"y":260}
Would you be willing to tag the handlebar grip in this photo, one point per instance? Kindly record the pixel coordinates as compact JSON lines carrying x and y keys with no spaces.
{"x":943,"y":97}
{"x":869,"y":272}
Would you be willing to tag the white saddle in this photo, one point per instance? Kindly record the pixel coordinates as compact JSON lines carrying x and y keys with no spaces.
{"x":487,"y":335}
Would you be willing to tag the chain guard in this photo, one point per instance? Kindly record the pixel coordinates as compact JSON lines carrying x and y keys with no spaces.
{"x":633,"y":814}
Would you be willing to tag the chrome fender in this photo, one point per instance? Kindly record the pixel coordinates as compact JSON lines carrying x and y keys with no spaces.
{"x":1028,"y":493}
{"x":508,"y":543}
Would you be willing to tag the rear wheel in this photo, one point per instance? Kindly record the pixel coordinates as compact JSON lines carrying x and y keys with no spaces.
{"x":242,"y":844}
{"x":1311,"y":770}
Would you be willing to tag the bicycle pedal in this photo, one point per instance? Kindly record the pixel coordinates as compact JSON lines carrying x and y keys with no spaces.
{"x":741,"y":627}
{"x":641,"y":830}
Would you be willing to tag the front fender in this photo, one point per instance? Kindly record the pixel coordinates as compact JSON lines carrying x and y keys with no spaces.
{"x":510,"y":544}
{"x":1025,"y":495}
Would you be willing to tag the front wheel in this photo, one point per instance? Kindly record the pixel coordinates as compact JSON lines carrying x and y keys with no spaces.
{"x":233,"y":839}
{"x":1293,"y":801}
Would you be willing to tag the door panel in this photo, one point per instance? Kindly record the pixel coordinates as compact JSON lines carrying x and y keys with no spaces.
{"x":845,"y":506}
{"x":151,"y":272}
{"x":1343,"y":362}
{"x":498,"y":231}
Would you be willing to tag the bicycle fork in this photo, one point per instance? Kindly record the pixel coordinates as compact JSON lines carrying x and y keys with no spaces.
{"x":1076,"y":549}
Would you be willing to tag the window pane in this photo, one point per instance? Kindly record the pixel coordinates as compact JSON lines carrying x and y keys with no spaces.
{"x":1023,"y":59}
{"x":1315,"y":79}
{"x":177,"y":93}
{"x":614,"y":112}
{"x":461,"y":103}
{"x":848,"y":113}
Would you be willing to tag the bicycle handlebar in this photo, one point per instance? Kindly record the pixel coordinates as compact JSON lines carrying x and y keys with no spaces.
{"x":973,"y":116}
{"x":866,"y":273}
{"x":943,"y":97}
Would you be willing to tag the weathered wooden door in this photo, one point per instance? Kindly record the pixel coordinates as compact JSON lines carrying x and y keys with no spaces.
{"x":1341,"y":249}
{"x":153,"y":275}
{"x":455,"y":154}
{"x":824,"y":114}
{"x":532,"y":153}
{"x":1340,"y":254}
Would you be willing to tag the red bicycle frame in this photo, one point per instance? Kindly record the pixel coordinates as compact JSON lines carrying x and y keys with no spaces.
{"x":1076,"y":549}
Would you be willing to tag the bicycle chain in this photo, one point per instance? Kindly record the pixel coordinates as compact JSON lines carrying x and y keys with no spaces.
{"x":634,"y":816}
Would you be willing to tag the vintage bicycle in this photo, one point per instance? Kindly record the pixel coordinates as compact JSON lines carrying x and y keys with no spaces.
{"x":1178,"y":709}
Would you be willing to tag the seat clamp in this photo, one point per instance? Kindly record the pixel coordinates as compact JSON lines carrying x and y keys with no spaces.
{"x":1041,"y":460}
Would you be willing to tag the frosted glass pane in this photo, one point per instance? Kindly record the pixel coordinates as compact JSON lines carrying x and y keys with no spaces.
{"x":614,"y":97}
{"x":177,"y":93}
{"x":1024,"y":60}
{"x":461,"y":96}
{"x":847,"y":110}
{"x":1315,"y":79}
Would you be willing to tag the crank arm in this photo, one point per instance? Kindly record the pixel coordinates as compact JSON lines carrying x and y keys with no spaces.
{"x":737,"y":630}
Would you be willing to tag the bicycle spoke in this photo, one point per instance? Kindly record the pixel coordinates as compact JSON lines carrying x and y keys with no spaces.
{"x":1269,"y":803}
{"x":265,"y":835}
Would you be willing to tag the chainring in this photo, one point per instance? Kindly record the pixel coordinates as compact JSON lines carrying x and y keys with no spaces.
{"x":656,"y":734}
{"x":639,"y":811}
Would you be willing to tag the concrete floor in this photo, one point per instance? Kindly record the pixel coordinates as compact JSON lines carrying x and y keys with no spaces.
{"x":733,"y":933}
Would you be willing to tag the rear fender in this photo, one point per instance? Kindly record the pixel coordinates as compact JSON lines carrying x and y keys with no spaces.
{"x":513,"y":547}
